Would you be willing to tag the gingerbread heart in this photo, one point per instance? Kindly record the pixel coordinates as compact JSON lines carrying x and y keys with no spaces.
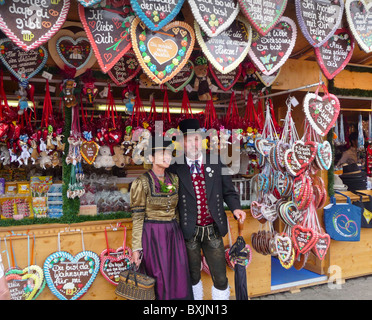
{"x":335,"y":54}
{"x":359,"y":17}
{"x":30,"y":24}
{"x":321,"y":245}
{"x":125,"y":69}
{"x":304,"y":152}
{"x":111,"y":266}
{"x":268,"y":81}
{"x":226,"y":81}
{"x":214,"y":17}
{"x":156,"y":14}
{"x":291,"y":164}
{"x":324,"y":155}
{"x":303,"y":238}
{"x":227,"y":50}
{"x":69,"y":277}
{"x":311,"y":13}
{"x":283,"y":245}
{"x":182,"y":78}
{"x":267,"y":57}
{"x":260,"y":16}
{"x":23,"y":65}
{"x":162,"y":54}
{"x":89,"y":151}
{"x":256,"y":210}
{"x":108,"y":31}
{"x":321,"y":112}
{"x":23,"y":285}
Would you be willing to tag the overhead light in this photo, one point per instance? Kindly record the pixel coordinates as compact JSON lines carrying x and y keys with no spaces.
{"x":14,"y":103}
{"x":123,"y":108}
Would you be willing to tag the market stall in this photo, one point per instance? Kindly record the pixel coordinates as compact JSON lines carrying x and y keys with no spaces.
{"x":83,"y":84}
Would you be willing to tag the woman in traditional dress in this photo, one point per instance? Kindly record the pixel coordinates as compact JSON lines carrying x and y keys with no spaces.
{"x":156,"y":234}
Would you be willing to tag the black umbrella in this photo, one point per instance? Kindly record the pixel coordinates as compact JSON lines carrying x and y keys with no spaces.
{"x":240,"y":255}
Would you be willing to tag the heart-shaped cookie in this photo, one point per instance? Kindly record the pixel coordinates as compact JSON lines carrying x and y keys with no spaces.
{"x":256,"y":210}
{"x":321,"y":112}
{"x":359,"y":17}
{"x":304,"y":152}
{"x":156,"y":14}
{"x":214,"y":17}
{"x":108,"y":31}
{"x":321,"y":245}
{"x":271,"y":51}
{"x":70,"y":277}
{"x":182,"y":78}
{"x":324,"y":155}
{"x":283,"y":245}
{"x":303,"y":238}
{"x":30,"y":24}
{"x":162,"y":54}
{"x":335,"y":54}
{"x":125,"y":69}
{"x":226,"y":81}
{"x":268,"y":81}
{"x":319,"y":20}
{"x":23,"y":65}
{"x":89,"y":151}
{"x":263,"y":15}
{"x":23,"y":284}
{"x":227,"y":50}
{"x":113,"y":262}
{"x":291,"y":164}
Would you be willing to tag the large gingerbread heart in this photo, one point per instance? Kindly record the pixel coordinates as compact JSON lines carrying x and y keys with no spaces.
{"x":125,"y":69}
{"x":321,"y":112}
{"x":69,"y":277}
{"x":271,"y":51}
{"x":227,"y":50}
{"x":23,"y":65}
{"x":303,"y":238}
{"x":263,"y":15}
{"x":335,"y":54}
{"x":214,"y":17}
{"x":319,"y":20}
{"x":359,"y":16}
{"x":226,"y":81}
{"x":111,"y":266}
{"x":29,"y":24}
{"x":156,"y":13}
{"x":108,"y":30}
{"x":162,"y":54}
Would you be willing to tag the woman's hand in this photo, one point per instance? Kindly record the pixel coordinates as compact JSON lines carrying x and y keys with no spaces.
{"x":136,"y":258}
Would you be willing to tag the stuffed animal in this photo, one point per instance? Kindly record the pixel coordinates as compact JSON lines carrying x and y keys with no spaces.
{"x":128,"y":146}
{"x":34,"y":153}
{"x":68,"y":93}
{"x":104,"y":159}
{"x":249,"y":75}
{"x":118,"y":156}
{"x":202,"y":82}
{"x":4,"y":155}
{"x":45,"y":161}
{"x":138,"y":152}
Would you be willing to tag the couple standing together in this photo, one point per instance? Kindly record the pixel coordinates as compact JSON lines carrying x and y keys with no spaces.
{"x":177,"y":211}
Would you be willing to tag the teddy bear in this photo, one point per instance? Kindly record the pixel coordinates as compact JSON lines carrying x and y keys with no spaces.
{"x":68,"y":93}
{"x":104,"y":159}
{"x":119,"y":157}
{"x":141,"y":146}
{"x":249,"y":75}
{"x":202,"y":82}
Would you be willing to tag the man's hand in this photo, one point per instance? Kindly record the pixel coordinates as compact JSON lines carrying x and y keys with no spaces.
{"x":240,"y":215}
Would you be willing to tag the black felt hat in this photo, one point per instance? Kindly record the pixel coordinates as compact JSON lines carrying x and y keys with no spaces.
{"x":189,"y":124}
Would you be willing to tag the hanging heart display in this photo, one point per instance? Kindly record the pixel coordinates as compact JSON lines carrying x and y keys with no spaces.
{"x":182,"y":78}
{"x":321,"y":112}
{"x":125,"y":69}
{"x":162,"y":54}
{"x":67,"y":285}
{"x":229,"y":49}
{"x":23,"y":65}
{"x":214,"y":17}
{"x":335,"y":54}
{"x":23,"y":285}
{"x":324,"y":155}
{"x":319,"y":20}
{"x":156,"y":14}
{"x":30,"y":25}
{"x":263,"y":15}
{"x":108,"y":30}
{"x":271,"y":51}
{"x":304,"y":152}
{"x":226,"y":81}
{"x":321,"y":246}
{"x":89,"y":151}
{"x":359,"y":17}
{"x":268,"y":81}
{"x":113,"y":262}
{"x":303,"y":238}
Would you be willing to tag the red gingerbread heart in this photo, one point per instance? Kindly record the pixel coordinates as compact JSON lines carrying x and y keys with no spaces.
{"x":303,"y":238}
{"x":321,"y":245}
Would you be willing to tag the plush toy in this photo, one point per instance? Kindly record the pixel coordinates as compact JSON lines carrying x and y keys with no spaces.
{"x":69,"y":98}
{"x":138,"y":152}
{"x":56,"y":159}
{"x":4,"y":155}
{"x":146,"y":81}
{"x":60,"y":145}
{"x":128,"y":146}
{"x":202,"y":82}
{"x":118,"y":156}
{"x":249,"y":75}
{"x":34,"y":153}
{"x":104,"y":159}
{"x":45,"y":161}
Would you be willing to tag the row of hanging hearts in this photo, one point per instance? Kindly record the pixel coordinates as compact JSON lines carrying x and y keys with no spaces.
{"x":288,"y":187}
{"x":124,"y":30}
{"x":28,"y":283}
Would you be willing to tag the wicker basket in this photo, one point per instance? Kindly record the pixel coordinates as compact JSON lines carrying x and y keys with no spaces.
{"x":135,"y":286}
